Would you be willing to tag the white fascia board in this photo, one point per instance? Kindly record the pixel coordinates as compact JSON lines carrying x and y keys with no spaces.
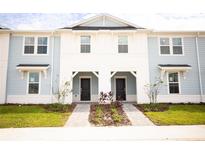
{"x":27,"y":68}
{"x":175,"y":68}
{"x":32,"y":31}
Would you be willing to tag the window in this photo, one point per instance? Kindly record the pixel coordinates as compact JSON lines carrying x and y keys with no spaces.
{"x":35,"y":45}
{"x":177,"y":45}
{"x":85,"y":44}
{"x":173,"y":79}
{"x":122,"y":44}
{"x":164,"y":46}
{"x":171,"y":46}
{"x":33,"y":83}
{"x":42,"y":45}
{"x":29,"y":45}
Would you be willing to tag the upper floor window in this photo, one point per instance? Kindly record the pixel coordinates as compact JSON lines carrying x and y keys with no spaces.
{"x":164,"y":46}
{"x":42,"y":45}
{"x":122,"y":44}
{"x":177,"y":45}
{"x":33,"y":82}
{"x":35,"y":45}
{"x":85,"y":44}
{"x":173,"y":79}
{"x":171,"y":46}
{"x":29,"y":45}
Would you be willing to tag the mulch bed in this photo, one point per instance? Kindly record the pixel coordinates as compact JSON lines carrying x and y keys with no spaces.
{"x":108,"y":115}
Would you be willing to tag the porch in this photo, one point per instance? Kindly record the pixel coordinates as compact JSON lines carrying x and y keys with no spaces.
{"x":86,"y":86}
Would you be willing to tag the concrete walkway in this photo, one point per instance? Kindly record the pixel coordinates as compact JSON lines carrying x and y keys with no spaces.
{"x":130,"y":133}
{"x":136,"y":117}
{"x":79,"y":117}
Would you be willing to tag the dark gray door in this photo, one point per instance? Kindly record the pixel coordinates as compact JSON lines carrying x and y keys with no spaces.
{"x":85,"y":89}
{"x":120,"y":89}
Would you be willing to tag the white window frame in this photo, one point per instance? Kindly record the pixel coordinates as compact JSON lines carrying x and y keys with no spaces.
{"x":179,"y":83}
{"x":39,"y":83}
{"x":85,"y":44}
{"x":171,"y":45}
{"x":36,"y":45}
{"x":123,"y":44}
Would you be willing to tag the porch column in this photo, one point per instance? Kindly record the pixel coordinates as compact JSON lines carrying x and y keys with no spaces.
{"x":104,"y":81}
{"x":142,"y":80}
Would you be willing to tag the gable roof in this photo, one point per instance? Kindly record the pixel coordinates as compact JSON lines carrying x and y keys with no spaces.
{"x":117,"y":23}
{"x":3,"y":28}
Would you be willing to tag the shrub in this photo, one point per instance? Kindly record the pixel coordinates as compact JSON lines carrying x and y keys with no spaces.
{"x":153,"y":107}
{"x":57,"y":107}
{"x":116,"y":103}
{"x":105,"y":97}
{"x":115,"y":116}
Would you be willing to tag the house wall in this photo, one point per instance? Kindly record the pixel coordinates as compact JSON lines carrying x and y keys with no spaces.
{"x":190,"y":86}
{"x":201,"y":48}
{"x":76,"y":86}
{"x":16,"y":86}
{"x":131,"y":91}
{"x":4,"y":48}
{"x":104,"y":57}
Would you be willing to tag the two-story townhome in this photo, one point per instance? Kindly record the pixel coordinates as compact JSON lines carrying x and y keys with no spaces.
{"x":104,"y":53}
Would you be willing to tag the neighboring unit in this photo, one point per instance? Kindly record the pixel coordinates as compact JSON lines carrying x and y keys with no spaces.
{"x":4,"y":49}
{"x":102,"y":53}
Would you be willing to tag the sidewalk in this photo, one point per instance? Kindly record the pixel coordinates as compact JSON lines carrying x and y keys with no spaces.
{"x":136,"y":117}
{"x":129,"y":133}
{"x":79,"y":117}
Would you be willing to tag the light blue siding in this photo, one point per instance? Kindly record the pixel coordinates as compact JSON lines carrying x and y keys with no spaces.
{"x":76,"y":83}
{"x":201,"y":45}
{"x":17,"y":86}
{"x":190,"y":85}
{"x":131,"y":82}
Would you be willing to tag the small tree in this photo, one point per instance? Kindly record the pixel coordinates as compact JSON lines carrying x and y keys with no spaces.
{"x":63,"y":91}
{"x":152,"y":90}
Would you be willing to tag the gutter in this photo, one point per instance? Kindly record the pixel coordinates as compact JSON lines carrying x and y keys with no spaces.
{"x":199,"y":68}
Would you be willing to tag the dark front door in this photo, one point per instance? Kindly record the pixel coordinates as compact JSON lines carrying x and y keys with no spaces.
{"x":120,"y":89}
{"x":85,"y":89}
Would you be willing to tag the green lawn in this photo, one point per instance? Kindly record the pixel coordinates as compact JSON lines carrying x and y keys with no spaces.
{"x":179,"y":115}
{"x":14,"y":116}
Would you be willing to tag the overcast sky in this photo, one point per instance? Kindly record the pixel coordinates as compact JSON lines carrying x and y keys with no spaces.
{"x":39,"y":21}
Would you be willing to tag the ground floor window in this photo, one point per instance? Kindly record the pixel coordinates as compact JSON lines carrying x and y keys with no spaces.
{"x":33,"y":82}
{"x":173,"y":81}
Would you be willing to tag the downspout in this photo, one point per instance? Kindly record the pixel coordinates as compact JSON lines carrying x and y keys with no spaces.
{"x":52,"y":49}
{"x":199,"y":68}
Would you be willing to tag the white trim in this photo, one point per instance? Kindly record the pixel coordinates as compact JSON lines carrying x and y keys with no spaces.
{"x":179,"y":98}
{"x":113,"y":74}
{"x":97,"y":75}
{"x":29,"y":99}
{"x":52,"y":61}
{"x":73,"y":75}
{"x":85,"y":77}
{"x":36,"y":45}
{"x":120,"y":77}
{"x":199,"y":68}
{"x":170,"y":45}
{"x":39,"y":83}
{"x":179,"y":83}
